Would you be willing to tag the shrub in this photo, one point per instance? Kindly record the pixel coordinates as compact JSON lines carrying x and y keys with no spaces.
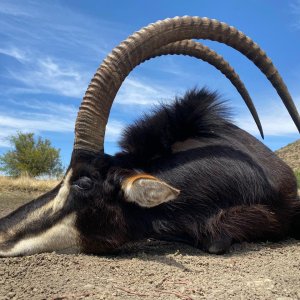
{"x":31,"y":157}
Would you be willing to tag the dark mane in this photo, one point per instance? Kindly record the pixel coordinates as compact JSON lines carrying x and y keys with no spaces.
{"x":199,"y":113}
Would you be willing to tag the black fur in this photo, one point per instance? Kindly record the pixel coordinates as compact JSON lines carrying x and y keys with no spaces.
{"x":199,"y":114}
{"x":233,"y":188}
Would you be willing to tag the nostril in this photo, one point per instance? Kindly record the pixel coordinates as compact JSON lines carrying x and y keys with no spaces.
{"x":83,"y":183}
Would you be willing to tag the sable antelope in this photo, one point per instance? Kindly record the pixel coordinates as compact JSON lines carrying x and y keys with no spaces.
{"x":186,"y":173}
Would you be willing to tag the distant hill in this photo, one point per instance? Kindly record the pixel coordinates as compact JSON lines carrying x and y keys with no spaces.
{"x":291,"y":155}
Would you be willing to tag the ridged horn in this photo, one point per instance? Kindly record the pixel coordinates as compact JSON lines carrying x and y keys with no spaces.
{"x":96,"y":104}
{"x":198,"y":50}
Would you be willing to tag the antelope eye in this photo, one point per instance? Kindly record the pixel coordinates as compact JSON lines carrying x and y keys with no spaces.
{"x":83,"y":183}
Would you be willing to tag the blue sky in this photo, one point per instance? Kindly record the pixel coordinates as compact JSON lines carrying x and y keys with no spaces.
{"x":49,"y":50}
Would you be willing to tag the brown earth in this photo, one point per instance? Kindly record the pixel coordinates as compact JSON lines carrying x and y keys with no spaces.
{"x":153,"y":270}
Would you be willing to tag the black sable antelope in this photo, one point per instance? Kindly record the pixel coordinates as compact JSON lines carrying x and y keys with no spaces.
{"x":186,"y":173}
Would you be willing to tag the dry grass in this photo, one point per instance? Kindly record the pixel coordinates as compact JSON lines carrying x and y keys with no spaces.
{"x":26,"y":184}
{"x":291,"y":155}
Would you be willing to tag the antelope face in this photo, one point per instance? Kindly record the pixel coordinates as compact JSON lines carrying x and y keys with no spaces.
{"x":44,"y":224}
{"x":66,"y":219}
{"x":92,"y":210}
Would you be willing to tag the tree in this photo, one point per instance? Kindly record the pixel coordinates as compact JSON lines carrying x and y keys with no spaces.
{"x":30,"y":156}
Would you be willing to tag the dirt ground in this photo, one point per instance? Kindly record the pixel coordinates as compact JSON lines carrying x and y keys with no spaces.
{"x":153,"y":270}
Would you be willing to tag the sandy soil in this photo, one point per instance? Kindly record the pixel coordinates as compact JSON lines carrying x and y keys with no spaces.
{"x":153,"y":270}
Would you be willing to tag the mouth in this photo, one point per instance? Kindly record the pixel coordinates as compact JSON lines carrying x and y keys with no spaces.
{"x":61,"y":237}
{"x":42,"y":225}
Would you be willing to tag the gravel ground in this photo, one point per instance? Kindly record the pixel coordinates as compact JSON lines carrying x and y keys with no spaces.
{"x":154,"y":270}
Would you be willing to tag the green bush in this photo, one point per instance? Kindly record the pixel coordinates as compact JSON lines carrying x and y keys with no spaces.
{"x":32,"y":157}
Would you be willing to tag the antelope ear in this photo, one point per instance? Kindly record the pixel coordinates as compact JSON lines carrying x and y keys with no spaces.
{"x":148,"y":191}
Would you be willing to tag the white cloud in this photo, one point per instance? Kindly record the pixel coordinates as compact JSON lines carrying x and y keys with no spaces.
{"x":42,"y":24}
{"x":113,"y":130}
{"x":13,"y":9}
{"x":42,"y":122}
{"x":57,"y":46}
{"x":44,"y":116}
{"x":54,"y":33}
{"x":275,"y":120}
{"x":61,"y":77}
{"x":4,"y":134}
{"x":47,"y":117}
{"x":45,"y":74}
{"x":14,"y":52}
{"x":137,"y":92}
{"x":295,"y":9}
{"x":47,"y":106}
{"x":9,"y":125}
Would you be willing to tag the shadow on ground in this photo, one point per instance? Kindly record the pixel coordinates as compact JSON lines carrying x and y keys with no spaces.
{"x":153,"y":270}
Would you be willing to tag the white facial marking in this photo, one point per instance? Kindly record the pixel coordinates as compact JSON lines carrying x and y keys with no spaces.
{"x":61,"y":197}
{"x":61,"y":237}
{"x":54,"y":205}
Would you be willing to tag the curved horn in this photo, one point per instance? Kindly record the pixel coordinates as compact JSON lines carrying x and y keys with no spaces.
{"x":95,"y":107}
{"x":198,"y":50}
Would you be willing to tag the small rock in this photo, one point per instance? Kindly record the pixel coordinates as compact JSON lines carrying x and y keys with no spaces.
{"x":88,"y":286}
